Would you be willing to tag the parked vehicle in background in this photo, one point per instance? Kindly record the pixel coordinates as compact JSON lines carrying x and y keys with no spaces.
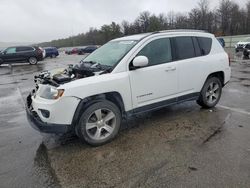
{"x":240,"y":45}
{"x":222,"y":41}
{"x":246,"y":51}
{"x":72,"y":51}
{"x":126,"y":76}
{"x":44,"y":53}
{"x":86,"y":50}
{"x":51,"y":52}
{"x":67,"y":51}
{"x":31,"y":54}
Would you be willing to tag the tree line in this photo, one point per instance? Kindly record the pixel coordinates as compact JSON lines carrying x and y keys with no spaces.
{"x":229,"y":18}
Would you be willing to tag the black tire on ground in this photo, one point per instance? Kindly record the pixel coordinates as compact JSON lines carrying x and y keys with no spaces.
{"x":210,"y":93}
{"x":108,"y":128}
{"x":32,"y":60}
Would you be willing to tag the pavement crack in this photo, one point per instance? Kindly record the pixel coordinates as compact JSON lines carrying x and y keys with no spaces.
{"x":214,"y":133}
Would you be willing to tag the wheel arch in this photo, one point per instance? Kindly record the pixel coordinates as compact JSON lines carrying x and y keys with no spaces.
{"x":219,"y":74}
{"x":114,"y":97}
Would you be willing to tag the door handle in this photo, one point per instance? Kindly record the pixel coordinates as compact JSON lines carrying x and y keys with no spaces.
{"x":170,"y":69}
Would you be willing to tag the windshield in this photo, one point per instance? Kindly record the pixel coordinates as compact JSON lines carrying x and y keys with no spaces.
{"x":111,"y":53}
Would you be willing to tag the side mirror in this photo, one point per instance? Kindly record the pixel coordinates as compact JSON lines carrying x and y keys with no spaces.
{"x":140,"y":61}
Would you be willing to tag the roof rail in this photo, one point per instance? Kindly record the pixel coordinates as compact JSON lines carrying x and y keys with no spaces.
{"x":179,"y":30}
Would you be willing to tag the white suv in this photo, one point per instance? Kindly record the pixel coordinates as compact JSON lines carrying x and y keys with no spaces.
{"x":127,"y":76}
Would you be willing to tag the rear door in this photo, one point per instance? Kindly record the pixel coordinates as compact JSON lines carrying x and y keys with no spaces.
{"x":192,"y":62}
{"x":24,"y":52}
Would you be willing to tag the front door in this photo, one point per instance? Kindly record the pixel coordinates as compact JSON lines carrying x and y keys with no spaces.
{"x":10,"y":54}
{"x":158,"y":82}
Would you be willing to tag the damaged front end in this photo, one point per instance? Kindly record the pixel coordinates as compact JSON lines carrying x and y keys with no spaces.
{"x":48,"y":102}
{"x":81,"y":70}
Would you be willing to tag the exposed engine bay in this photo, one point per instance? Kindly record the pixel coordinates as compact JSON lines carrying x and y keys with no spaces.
{"x":81,"y":70}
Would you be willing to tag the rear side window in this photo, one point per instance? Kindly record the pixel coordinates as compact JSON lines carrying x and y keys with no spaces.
{"x":205,"y":45}
{"x":157,"y":51}
{"x":24,"y":49}
{"x":184,"y":48}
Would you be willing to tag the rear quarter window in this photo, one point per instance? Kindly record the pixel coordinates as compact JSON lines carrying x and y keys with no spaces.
{"x":205,"y":45}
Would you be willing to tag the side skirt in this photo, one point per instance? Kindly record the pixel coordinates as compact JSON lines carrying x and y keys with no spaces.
{"x":162,"y":104}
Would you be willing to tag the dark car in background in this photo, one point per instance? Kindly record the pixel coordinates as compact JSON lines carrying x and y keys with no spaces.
{"x":51,"y":52}
{"x":86,"y":50}
{"x":15,"y":54}
{"x":246,"y":51}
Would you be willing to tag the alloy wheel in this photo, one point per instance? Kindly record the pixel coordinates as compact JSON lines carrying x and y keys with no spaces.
{"x":100,"y":124}
{"x":32,"y":60}
{"x":213,"y":92}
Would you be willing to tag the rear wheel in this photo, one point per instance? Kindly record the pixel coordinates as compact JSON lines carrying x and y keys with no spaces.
{"x":99,"y":123}
{"x":211,"y":93}
{"x":32,"y":60}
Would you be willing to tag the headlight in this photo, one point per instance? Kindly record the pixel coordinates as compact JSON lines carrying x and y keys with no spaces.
{"x":58,"y":93}
{"x":48,"y":92}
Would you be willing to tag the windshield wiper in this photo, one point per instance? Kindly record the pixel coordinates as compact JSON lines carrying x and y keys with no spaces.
{"x":90,"y":62}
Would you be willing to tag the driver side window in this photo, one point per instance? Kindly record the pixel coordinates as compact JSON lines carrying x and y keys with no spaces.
{"x":11,"y":51}
{"x":157,"y":51}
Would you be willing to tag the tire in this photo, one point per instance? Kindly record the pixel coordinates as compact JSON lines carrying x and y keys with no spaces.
{"x":210,"y":93}
{"x":33,"y":60}
{"x":99,"y":123}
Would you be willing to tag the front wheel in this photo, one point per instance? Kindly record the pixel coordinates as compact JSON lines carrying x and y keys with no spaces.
{"x":210,"y":93}
{"x":32,"y":60}
{"x":99,"y":123}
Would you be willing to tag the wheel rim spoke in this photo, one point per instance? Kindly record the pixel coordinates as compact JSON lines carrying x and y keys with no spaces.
{"x":108,"y":128}
{"x":216,"y":95}
{"x":98,"y":114}
{"x":215,"y":88}
{"x":109,"y":116}
{"x":90,"y":126}
{"x":211,"y":85}
{"x":97,"y":133}
{"x":210,"y":100}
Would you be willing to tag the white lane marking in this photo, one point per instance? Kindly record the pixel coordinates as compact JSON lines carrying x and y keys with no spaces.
{"x":235,"y":109}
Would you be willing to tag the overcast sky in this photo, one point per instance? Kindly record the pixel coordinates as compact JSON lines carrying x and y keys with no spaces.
{"x":45,"y":20}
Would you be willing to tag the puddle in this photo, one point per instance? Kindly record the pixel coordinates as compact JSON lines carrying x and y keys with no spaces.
{"x":43,"y":168}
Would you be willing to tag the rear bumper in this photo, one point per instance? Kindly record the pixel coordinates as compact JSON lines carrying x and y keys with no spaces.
{"x":41,"y":126}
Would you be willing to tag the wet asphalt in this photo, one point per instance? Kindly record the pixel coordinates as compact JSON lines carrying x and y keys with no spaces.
{"x":178,"y":146}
